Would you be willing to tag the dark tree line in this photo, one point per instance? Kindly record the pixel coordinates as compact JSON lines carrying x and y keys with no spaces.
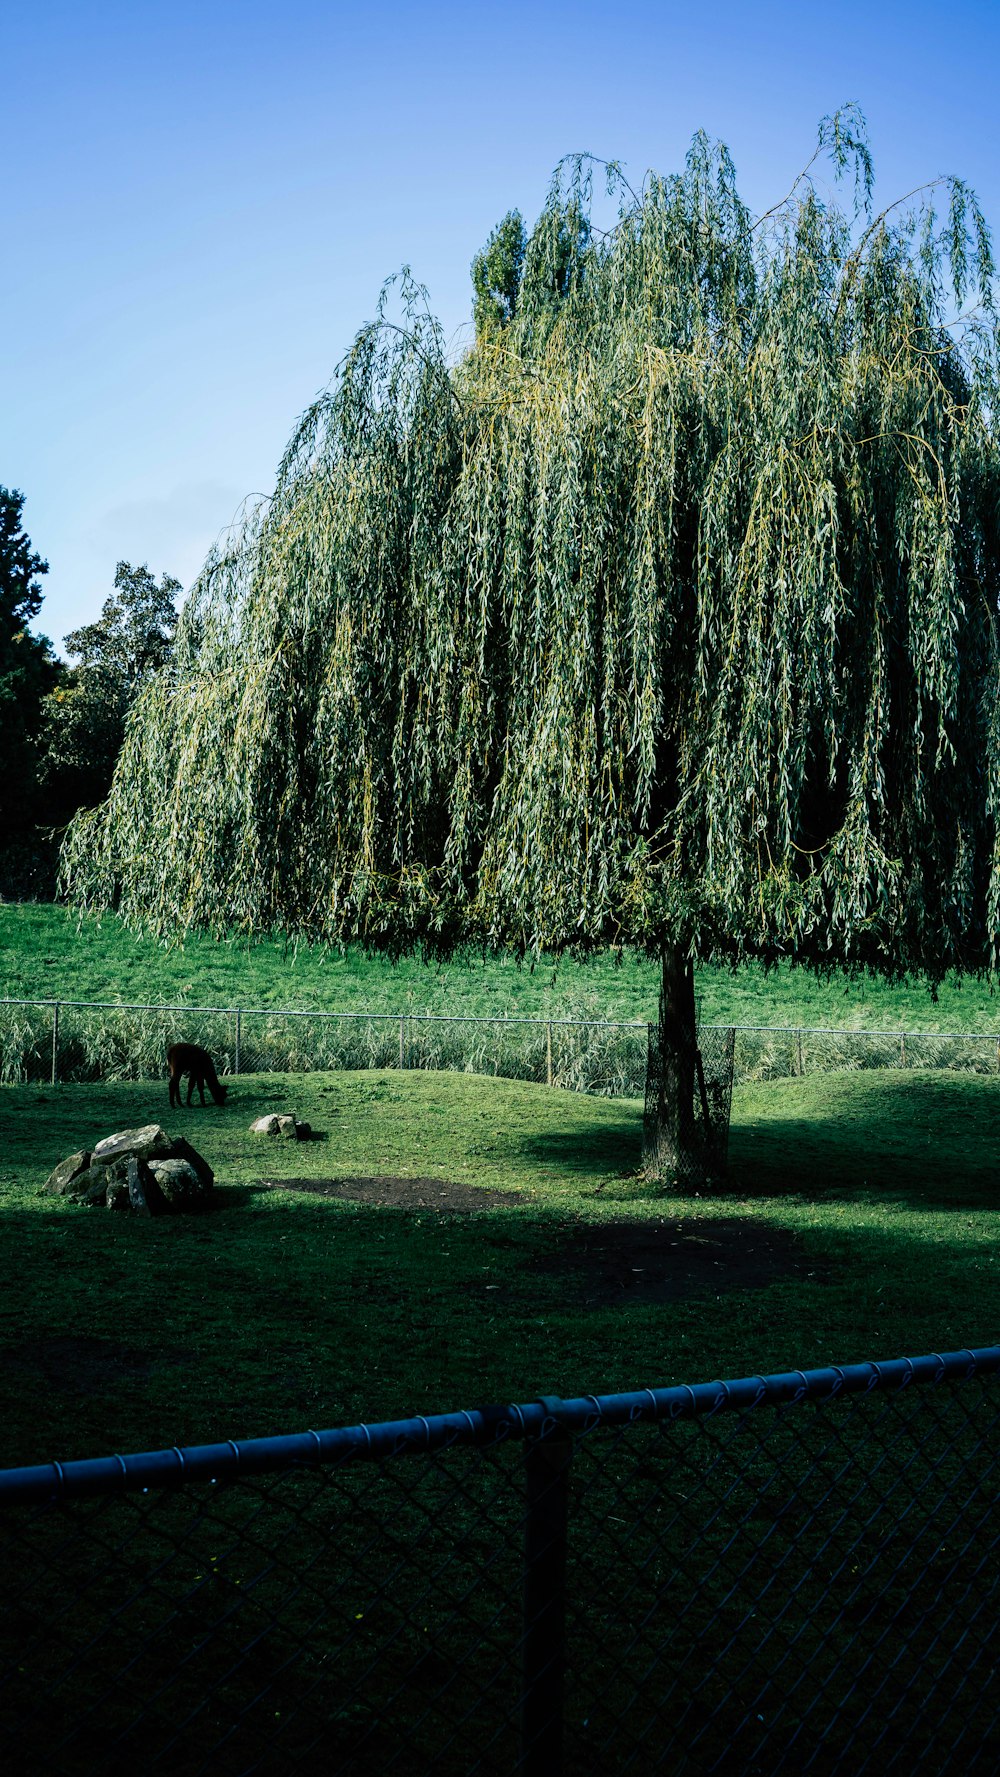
{"x":62,"y":725}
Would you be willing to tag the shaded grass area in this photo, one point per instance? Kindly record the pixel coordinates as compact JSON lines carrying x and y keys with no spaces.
{"x":351,"y":1603}
{"x":45,"y":953}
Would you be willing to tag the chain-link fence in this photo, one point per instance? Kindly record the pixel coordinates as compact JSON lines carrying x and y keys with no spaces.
{"x":83,"y":1040}
{"x":772,"y":1054}
{"x":796,"y":1573}
{"x":685,"y":1124}
{"x":52,"y":1040}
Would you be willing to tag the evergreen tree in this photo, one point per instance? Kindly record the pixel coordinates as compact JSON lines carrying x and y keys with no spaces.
{"x":27,"y":669}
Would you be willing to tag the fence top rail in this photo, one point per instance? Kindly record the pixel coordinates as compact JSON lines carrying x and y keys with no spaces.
{"x":491,"y":1425}
{"x":773,"y":1030}
{"x":318,"y":1012}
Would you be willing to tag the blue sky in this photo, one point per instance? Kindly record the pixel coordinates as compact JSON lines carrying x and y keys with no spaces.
{"x":202,"y":202}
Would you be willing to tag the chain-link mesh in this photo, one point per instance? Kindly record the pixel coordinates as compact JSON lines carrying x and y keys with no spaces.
{"x":77,"y":1041}
{"x":689,"y":1137}
{"x":792,"y":1574}
{"x":763,"y":1054}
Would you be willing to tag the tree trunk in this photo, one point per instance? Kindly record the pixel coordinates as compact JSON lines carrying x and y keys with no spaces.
{"x":674,"y":1145}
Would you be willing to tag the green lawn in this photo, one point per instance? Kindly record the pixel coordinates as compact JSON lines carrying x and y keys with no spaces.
{"x":45,"y":953}
{"x":279,"y":1310}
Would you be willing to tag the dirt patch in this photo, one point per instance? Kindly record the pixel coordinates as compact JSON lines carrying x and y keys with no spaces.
{"x":82,"y":1365}
{"x":441,"y":1195}
{"x":650,"y":1262}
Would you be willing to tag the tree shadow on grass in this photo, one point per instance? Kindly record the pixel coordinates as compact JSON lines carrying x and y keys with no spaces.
{"x":586,"y":1153}
{"x":926,"y":1141}
{"x":858,"y":1164}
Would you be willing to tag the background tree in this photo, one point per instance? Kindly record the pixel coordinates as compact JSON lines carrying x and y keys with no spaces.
{"x":27,"y":672}
{"x":85,"y":715}
{"x":666,"y":618}
{"x":496,"y":274}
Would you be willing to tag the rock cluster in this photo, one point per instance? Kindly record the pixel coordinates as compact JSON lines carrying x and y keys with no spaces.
{"x":143,"y":1170}
{"x":276,"y":1124}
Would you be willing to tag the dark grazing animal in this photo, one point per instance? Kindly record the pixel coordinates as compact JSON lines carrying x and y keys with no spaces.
{"x":188,"y":1058}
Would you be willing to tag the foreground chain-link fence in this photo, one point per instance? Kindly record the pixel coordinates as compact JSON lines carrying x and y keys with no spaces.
{"x":65,"y":1040}
{"x":797,"y":1573}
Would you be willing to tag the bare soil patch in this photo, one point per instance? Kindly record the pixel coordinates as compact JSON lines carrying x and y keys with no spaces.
{"x":650,"y":1262}
{"x":610,"y":1262}
{"x":442,"y":1195}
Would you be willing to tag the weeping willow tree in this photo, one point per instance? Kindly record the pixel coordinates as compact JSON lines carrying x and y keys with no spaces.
{"x":666,"y":617}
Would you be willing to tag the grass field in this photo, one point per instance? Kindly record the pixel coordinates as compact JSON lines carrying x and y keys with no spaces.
{"x":45,"y":954}
{"x":860,"y":1220}
{"x":282,"y":1309}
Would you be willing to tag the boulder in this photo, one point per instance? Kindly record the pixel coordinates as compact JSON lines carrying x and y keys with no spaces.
{"x":149,"y":1142}
{"x":137,"y":1187}
{"x":145,"y":1196}
{"x":116,"y":1195}
{"x":179,"y":1184}
{"x":91,"y":1186}
{"x":279,"y":1123}
{"x":60,"y":1182}
{"x":182,"y":1150}
{"x":140,"y":1170}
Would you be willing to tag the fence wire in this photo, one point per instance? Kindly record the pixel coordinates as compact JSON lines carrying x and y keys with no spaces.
{"x":790,"y":1574}
{"x":688,"y":1138}
{"x":86,"y":1041}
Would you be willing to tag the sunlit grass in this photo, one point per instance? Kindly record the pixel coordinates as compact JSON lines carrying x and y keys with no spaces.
{"x":281,"y":1309}
{"x":45,"y":953}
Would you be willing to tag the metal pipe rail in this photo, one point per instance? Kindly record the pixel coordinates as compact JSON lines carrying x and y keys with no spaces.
{"x":478,"y":1426}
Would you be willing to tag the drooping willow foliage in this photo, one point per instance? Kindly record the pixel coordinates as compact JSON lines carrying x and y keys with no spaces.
{"x":666,"y":616}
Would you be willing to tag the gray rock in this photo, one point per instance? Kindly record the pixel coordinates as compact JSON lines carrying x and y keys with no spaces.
{"x":90,"y":1187}
{"x":60,"y":1182}
{"x":179,"y":1183}
{"x":287,"y":1127}
{"x":182,"y":1150}
{"x":116,"y":1195}
{"x":122,"y":1179}
{"x":144,"y":1193}
{"x":266,"y":1126}
{"x":146,"y":1143}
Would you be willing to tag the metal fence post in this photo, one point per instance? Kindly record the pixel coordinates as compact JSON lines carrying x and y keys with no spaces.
{"x":548,"y":1053}
{"x":902,"y":1049}
{"x":402,"y":1043}
{"x":55,"y":1042}
{"x":546,"y":1461}
{"x":798,"y":1040}
{"x":236,"y":1058}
